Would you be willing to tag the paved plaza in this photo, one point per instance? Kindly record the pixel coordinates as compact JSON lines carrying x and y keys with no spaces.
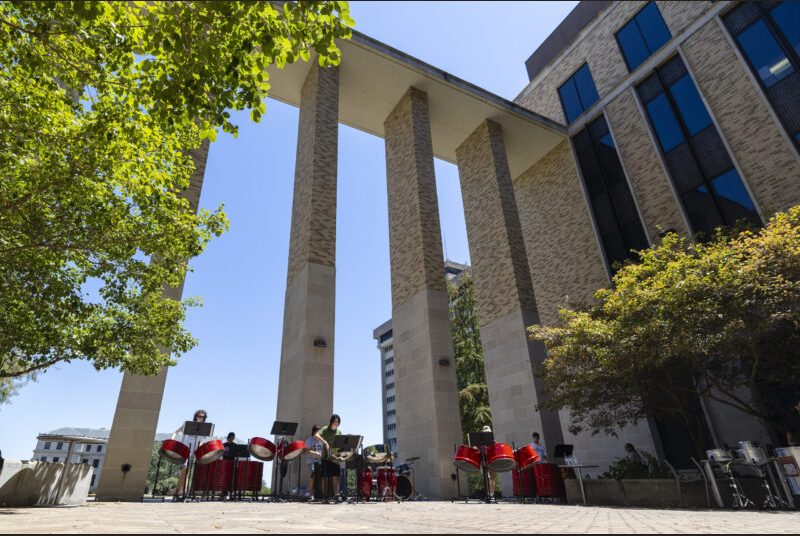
{"x":420,"y":517}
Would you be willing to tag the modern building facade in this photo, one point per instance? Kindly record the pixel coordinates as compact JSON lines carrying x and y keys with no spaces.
{"x":680,"y":116}
{"x":384,"y":336}
{"x":640,"y":117}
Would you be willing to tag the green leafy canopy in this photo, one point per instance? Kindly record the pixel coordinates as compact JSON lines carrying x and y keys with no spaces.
{"x":102,"y":107}
{"x":719,"y":319}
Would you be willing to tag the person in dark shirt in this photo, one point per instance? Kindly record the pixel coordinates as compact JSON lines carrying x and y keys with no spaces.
{"x":793,"y":432}
{"x":229,"y":454}
{"x":330,"y":468}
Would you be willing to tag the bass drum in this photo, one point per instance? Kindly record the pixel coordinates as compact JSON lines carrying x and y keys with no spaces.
{"x":404,"y":488}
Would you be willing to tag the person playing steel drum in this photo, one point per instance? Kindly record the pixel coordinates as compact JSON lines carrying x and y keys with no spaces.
{"x":330,"y":467}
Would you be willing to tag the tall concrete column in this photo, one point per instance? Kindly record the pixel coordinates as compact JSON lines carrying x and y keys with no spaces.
{"x":139,"y":404}
{"x":305,"y":392}
{"x":504,"y":291}
{"x":428,"y":422}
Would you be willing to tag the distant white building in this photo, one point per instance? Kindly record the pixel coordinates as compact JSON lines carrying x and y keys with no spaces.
{"x":94,"y":455}
{"x":383,"y":334}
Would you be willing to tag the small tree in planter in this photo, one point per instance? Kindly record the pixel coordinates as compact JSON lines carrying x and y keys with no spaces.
{"x":623,"y":468}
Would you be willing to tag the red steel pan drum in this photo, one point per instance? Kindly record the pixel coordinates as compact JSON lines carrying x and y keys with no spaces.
{"x":209,"y":451}
{"x":468,"y":459}
{"x":290,"y":451}
{"x":500,"y":457}
{"x":174,"y":451}
{"x":262,"y":449}
{"x":526,"y":457}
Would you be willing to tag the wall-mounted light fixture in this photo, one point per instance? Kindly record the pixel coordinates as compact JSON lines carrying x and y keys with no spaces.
{"x":320,"y":343}
{"x":444,"y":361}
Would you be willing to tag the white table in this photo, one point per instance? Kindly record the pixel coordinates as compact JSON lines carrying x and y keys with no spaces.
{"x":580,"y":468}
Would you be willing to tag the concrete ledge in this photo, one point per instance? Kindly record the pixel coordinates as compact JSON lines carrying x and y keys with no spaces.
{"x":657,"y":493}
{"x":32,"y":483}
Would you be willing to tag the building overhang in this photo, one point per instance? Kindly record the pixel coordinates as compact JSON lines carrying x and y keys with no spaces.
{"x":374,"y":76}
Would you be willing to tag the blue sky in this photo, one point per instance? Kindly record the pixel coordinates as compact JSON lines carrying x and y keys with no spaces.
{"x":233,"y":372}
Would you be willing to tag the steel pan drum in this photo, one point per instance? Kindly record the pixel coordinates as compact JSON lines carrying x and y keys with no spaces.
{"x":290,"y":451}
{"x":174,"y":451}
{"x":500,"y":457}
{"x":209,"y":451}
{"x":404,"y":488}
{"x":344,"y":456}
{"x":262,"y":449}
{"x":365,"y":483}
{"x":468,"y":459}
{"x":376,"y":454}
{"x":526,"y":457}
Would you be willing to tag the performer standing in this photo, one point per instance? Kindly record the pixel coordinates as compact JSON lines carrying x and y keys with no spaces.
{"x":229,"y":444}
{"x":330,"y":468}
{"x":490,"y":475}
{"x":539,"y":447}
{"x":199,"y":416}
{"x":313,"y":451}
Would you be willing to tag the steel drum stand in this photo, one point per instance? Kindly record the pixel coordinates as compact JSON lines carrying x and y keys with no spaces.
{"x":281,"y":429}
{"x":771,"y":500}
{"x":740,"y":500}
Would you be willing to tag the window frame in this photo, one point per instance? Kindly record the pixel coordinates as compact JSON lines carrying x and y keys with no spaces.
{"x":607,"y":190}
{"x":572,"y":80}
{"x":633,"y":21}
{"x":676,"y":111}
{"x":765,"y":16}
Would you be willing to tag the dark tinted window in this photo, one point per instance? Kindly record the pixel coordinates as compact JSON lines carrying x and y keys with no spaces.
{"x":578,"y":93}
{"x":610,"y":198}
{"x":653,"y":28}
{"x":586,"y":90}
{"x":642,"y":36}
{"x":768,"y":35}
{"x":710,"y":189}
{"x":690,"y":105}
{"x":733,"y":198}
{"x":764,"y":53}
{"x":570,"y":100}
{"x":664,"y":123}
{"x":787,"y":18}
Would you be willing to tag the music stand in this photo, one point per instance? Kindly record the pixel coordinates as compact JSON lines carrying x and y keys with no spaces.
{"x":237,"y":452}
{"x":482,"y":440}
{"x":195,"y":430}
{"x":281,"y":429}
{"x":346,"y":443}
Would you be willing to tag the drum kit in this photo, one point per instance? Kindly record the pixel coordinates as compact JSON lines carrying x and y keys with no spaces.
{"x":378,"y":480}
{"x":749,"y":454}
